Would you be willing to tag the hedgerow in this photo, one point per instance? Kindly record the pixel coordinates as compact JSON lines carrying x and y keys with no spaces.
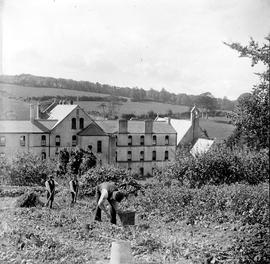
{"x":218,"y":166}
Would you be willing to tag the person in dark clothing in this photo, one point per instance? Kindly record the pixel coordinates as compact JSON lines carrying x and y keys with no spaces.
{"x":50,"y":188}
{"x":109,"y":191}
{"x":74,"y":187}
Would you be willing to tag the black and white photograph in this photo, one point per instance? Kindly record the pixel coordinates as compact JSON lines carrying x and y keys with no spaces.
{"x":134,"y":131}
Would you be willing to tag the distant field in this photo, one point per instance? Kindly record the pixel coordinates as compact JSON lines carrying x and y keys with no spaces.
{"x":11,"y":108}
{"x":23,"y":91}
{"x":217,"y":128}
{"x":136,"y":108}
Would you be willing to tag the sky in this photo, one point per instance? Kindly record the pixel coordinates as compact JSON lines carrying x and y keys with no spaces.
{"x":171,"y":44}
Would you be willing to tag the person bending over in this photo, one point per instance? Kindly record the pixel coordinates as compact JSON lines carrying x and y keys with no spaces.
{"x":108,"y":191}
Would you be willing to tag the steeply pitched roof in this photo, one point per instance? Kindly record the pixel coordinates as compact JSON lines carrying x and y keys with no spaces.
{"x":134,"y":126}
{"x":92,"y":130}
{"x":60,"y":112}
{"x":181,"y":126}
{"x":201,"y":146}
{"x":21,"y":126}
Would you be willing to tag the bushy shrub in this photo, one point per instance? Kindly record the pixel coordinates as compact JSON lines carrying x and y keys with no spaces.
{"x":28,"y":169}
{"x":95,"y":176}
{"x":218,"y":166}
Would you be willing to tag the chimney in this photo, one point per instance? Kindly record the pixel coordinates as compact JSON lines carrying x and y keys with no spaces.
{"x":38,"y":105}
{"x":169,"y":120}
{"x":123,"y":126}
{"x":194,"y":118}
{"x":32,"y":112}
{"x":148,"y":126}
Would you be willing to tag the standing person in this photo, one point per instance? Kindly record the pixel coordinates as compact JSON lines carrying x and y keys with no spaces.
{"x":50,"y":188}
{"x":74,"y":187}
{"x":108,"y":190}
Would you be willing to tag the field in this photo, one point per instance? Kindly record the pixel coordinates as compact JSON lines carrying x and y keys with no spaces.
{"x":68,"y":235}
{"x":24,"y":91}
{"x":12,"y":108}
{"x":137,"y":108}
{"x":217,"y":127}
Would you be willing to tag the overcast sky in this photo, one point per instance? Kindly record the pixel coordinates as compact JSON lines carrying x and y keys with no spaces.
{"x":177,"y":44}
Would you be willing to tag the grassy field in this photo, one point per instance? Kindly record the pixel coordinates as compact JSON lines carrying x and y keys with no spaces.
{"x":23,"y":91}
{"x":13,"y":108}
{"x":217,"y":127}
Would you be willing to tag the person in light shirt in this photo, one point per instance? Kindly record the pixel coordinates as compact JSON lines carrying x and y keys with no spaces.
{"x":108,"y":191}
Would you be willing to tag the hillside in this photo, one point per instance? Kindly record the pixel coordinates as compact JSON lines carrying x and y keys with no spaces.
{"x":205,"y":100}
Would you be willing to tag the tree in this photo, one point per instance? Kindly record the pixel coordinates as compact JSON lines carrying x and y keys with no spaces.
{"x":251,"y":116}
{"x":206,"y":102}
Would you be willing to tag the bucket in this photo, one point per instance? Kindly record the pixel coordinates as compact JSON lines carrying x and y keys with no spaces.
{"x":121,"y":253}
{"x":127,"y":217}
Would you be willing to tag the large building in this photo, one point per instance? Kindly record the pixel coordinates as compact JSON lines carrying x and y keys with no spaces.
{"x":139,"y":146}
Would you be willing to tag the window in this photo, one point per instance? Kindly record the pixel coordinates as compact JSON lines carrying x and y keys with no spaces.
{"x":154,"y":155}
{"x":129,"y":155}
{"x":166,"y":157}
{"x":142,"y":156}
{"x":73,"y":123}
{"x":116,"y":156}
{"x":167,"y":140}
{"x":154,"y":140}
{"x":116,"y":140}
{"x":81,"y":123}
{"x":74,"y":140}
{"x":99,"y":146}
{"x":129,"y":140}
{"x":141,"y":171}
{"x":2,"y":141}
{"x":142,"y":140}
{"x":43,"y":140}
{"x":22,"y":141}
{"x":43,"y":155}
{"x":56,"y":152}
{"x":57,"y":141}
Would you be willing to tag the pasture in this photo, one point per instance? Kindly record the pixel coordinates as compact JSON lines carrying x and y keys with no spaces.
{"x":217,"y":128}
{"x":24,"y":91}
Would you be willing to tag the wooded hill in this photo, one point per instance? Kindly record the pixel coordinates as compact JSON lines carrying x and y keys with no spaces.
{"x":205,"y":100}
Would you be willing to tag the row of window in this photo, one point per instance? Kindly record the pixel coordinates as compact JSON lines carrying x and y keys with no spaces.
{"x":74,"y":123}
{"x":154,"y":140}
{"x":154,"y":155}
{"x":142,"y":171}
{"x":57,"y":141}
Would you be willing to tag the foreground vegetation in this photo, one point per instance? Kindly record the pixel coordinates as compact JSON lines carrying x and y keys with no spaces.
{"x":209,"y":209}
